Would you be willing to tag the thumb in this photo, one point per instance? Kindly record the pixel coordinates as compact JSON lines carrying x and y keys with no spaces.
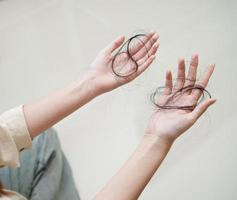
{"x":115,"y":44}
{"x":201,"y":108}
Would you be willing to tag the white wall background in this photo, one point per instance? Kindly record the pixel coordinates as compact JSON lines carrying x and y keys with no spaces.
{"x":45,"y":44}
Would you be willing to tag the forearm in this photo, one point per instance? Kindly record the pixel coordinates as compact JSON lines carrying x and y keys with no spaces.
{"x":132,"y":178}
{"x":46,"y":112}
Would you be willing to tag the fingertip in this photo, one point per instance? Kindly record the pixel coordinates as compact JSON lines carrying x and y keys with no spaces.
{"x":168,"y":74}
{"x":181,"y":60}
{"x":213,"y":66}
{"x":195,"y":55}
{"x":156,"y":45}
{"x":208,"y":103}
{"x":155,"y":36}
{"x":120,"y":38}
{"x":212,"y":101}
{"x":151,"y":33}
{"x":181,"y":63}
{"x":194,"y":60}
{"x":115,"y":44}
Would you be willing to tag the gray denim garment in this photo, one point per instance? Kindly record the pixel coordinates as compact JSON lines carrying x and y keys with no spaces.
{"x":44,"y":174}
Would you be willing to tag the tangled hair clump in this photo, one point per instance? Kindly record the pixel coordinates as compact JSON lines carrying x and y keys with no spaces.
{"x":170,"y":102}
{"x":125,"y":52}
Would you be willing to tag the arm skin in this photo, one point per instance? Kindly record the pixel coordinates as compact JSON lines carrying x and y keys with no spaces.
{"x":164,"y":127}
{"x":46,"y":112}
{"x":99,"y":79}
{"x":135,"y":174}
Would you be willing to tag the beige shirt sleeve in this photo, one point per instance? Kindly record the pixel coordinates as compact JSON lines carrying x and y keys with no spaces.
{"x":14,"y":136}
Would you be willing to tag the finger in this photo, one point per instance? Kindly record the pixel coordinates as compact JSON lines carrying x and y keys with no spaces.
{"x":141,"y":42}
{"x":200,"y":109}
{"x":145,"y":65}
{"x":191,"y":77}
{"x":180,"y":75}
{"x":144,"y":50}
{"x":115,"y":44}
{"x":203,"y":81}
{"x":151,"y":52}
{"x":168,"y":83}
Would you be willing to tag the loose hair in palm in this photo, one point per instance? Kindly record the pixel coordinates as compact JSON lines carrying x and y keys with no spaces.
{"x":125,"y":53}
{"x":170,"y":104}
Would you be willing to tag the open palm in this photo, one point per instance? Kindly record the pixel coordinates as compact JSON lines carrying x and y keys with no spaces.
{"x":142,"y":52}
{"x":171,"y":123}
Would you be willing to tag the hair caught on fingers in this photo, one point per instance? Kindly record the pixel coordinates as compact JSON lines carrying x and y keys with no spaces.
{"x":170,"y":102}
{"x":125,"y":56}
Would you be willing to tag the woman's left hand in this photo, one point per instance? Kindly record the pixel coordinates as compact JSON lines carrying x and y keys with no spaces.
{"x":169,"y":124}
{"x":142,"y":52}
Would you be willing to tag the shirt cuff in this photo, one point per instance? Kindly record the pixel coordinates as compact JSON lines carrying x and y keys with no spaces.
{"x":15,"y":123}
{"x":9,"y":154}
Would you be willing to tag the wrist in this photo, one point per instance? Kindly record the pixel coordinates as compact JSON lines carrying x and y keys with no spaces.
{"x":155,"y":141}
{"x":93,"y":78}
{"x":151,"y":151}
{"x":91,"y":83}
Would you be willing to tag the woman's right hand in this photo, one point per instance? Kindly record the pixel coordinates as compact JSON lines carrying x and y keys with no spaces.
{"x":168,"y":124}
{"x":143,"y":52}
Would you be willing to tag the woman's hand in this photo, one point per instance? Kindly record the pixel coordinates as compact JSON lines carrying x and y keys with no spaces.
{"x":168,"y":124}
{"x":142,"y":52}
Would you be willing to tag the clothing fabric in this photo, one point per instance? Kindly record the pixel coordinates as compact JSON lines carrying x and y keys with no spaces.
{"x":14,"y":136}
{"x":44,"y":173}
